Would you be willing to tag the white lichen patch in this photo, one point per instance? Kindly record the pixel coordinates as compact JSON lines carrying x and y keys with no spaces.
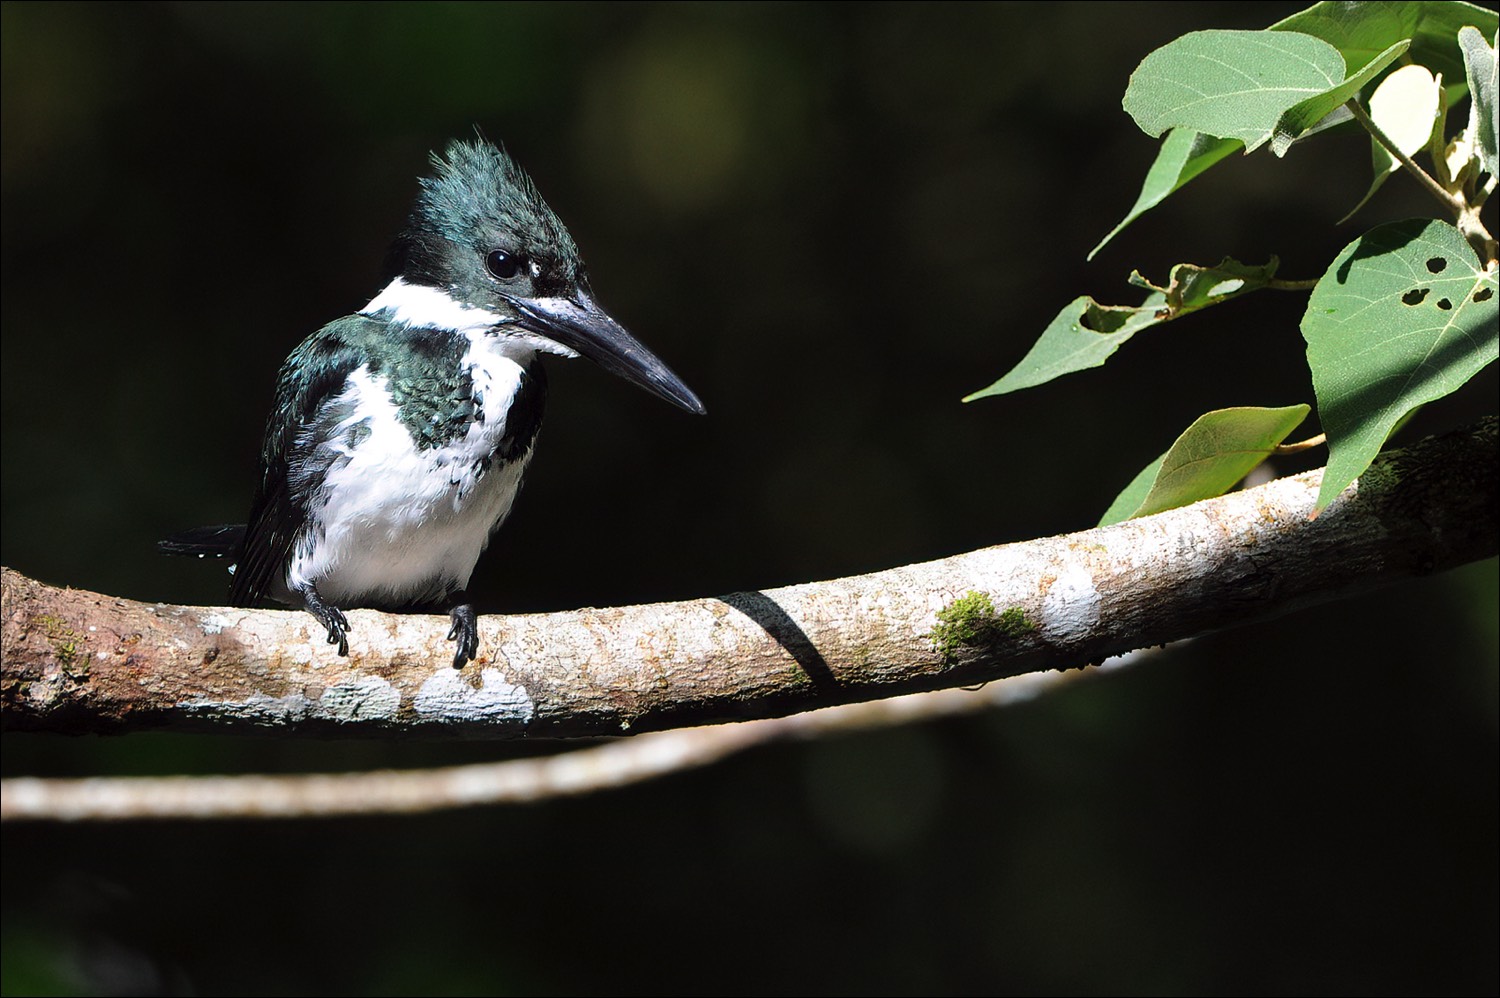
{"x":367,"y":699}
{"x":448,"y":696}
{"x":1071,"y":608}
{"x":257,"y":708}
{"x":213,"y":623}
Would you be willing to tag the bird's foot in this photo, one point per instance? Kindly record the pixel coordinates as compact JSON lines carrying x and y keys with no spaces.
{"x":465,"y":630}
{"x":329,"y":616}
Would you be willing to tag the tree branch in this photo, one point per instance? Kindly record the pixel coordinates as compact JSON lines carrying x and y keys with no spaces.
{"x":75,"y":661}
{"x":511,"y":781}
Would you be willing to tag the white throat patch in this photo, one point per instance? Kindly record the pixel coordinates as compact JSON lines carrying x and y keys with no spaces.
{"x":425,"y":307}
{"x":420,"y":305}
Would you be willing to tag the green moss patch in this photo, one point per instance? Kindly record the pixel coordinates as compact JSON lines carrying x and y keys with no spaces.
{"x":972,"y":621}
{"x":66,"y":642}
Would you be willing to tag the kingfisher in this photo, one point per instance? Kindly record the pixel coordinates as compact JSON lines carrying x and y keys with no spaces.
{"x":399,"y":435}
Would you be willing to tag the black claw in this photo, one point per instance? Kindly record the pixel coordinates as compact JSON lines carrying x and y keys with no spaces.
{"x":465,"y":631}
{"x":336,"y":636}
{"x":329,"y":616}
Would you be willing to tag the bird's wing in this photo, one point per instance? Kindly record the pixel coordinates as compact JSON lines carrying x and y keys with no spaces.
{"x":311,"y":381}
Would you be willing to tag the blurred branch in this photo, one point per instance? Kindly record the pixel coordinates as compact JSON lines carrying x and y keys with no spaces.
{"x":512,"y":781}
{"x":75,"y":661}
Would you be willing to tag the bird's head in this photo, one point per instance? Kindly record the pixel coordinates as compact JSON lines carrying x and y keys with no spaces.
{"x":481,"y":234}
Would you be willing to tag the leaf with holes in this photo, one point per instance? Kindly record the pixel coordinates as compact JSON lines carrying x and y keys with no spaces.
{"x":1191,"y":287}
{"x":1219,"y":449}
{"x":1230,"y":84}
{"x":1085,"y":334}
{"x":1404,"y":316}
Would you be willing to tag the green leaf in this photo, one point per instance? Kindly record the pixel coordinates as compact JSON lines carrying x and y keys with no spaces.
{"x":1191,"y":287}
{"x":1184,"y":154}
{"x":1406,"y":106}
{"x":1219,"y":449}
{"x":1085,"y":334}
{"x":1301,"y":118}
{"x":1230,"y":84}
{"x":1361,"y":31}
{"x":1479,"y":64}
{"x":1068,"y":344}
{"x":1404,"y":315}
{"x":1133,"y":495}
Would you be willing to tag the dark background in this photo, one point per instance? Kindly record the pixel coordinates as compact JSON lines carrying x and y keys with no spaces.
{"x":833,"y":222}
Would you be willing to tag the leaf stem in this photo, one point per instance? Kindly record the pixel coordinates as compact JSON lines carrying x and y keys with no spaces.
{"x":1277,"y":284}
{"x":1301,"y":445}
{"x":1434,"y":188}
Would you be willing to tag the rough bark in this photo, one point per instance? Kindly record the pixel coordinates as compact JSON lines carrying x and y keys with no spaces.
{"x":76,"y":661}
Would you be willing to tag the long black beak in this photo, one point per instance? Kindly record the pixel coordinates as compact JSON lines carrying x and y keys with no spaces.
{"x":580,"y":324}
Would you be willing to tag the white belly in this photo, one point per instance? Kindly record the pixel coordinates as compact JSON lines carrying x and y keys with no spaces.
{"x":397,"y":524}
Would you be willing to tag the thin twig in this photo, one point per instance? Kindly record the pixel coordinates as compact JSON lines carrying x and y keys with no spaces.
{"x":1301,"y":445}
{"x":1453,"y":204}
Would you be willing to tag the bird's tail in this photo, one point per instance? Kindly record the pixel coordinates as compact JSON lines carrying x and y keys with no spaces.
{"x":223,"y":540}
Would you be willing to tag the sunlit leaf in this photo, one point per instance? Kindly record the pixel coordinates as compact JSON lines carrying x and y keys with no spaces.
{"x":1211,"y":456}
{"x":1405,"y":107}
{"x":1405,"y":315}
{"x":1360,"y":32}
{"x":1460,"y":154}
{"x":1230,"y":84}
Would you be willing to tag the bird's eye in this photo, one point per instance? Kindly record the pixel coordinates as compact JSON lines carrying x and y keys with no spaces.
{"x":503,"y":265}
